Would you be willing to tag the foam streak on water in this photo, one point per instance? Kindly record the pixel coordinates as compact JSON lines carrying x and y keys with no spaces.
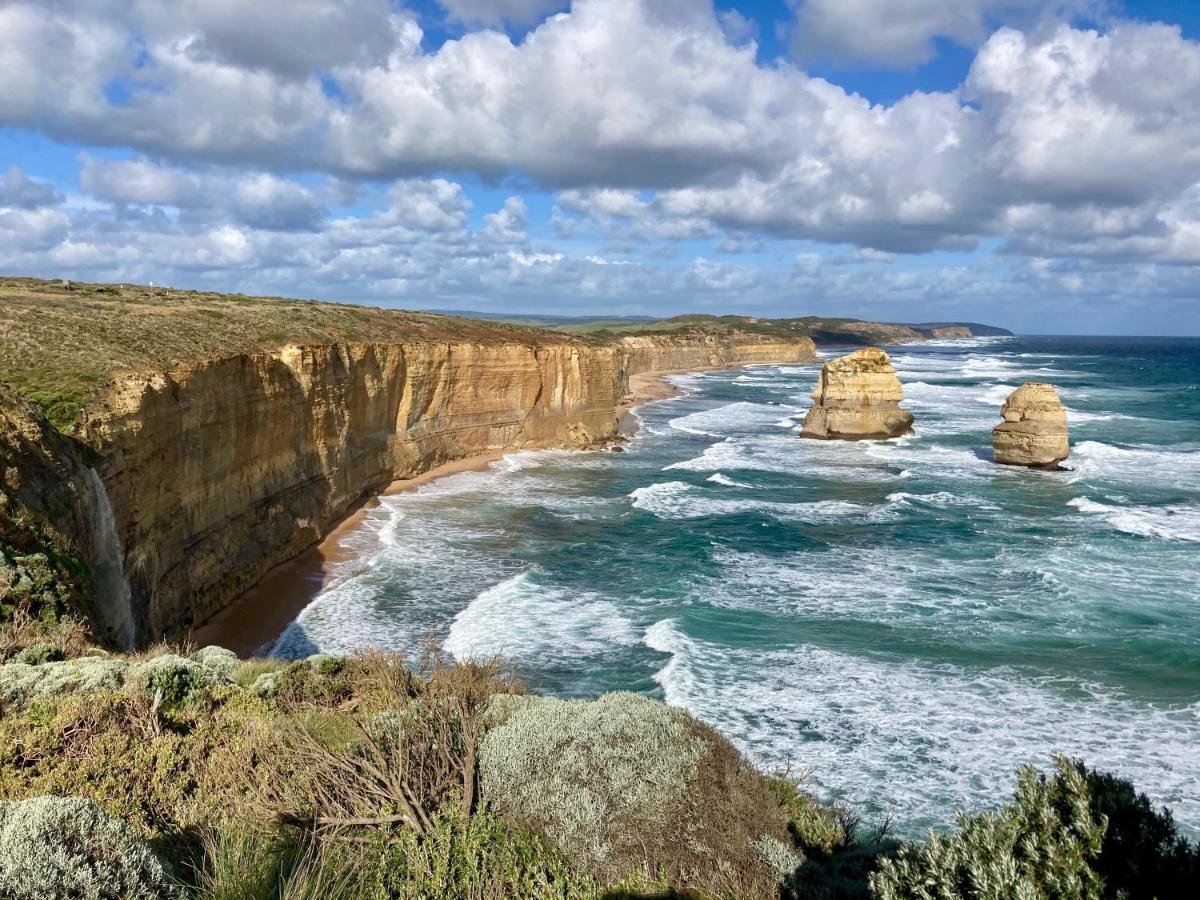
{"x":906,"y":618}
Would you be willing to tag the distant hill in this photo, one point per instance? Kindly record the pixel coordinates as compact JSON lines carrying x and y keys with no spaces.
{"x":823,"y":329}
{"x":976,"y":329}
{"x":545,"y":320}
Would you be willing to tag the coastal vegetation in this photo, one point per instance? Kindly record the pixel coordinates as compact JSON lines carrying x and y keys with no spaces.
{"x":193,"y":774}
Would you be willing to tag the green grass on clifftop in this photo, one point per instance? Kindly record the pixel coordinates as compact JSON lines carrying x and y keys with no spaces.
{"x":60,"y":346}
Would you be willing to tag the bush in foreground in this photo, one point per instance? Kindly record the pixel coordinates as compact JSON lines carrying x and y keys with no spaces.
{"x":69,"y":847}
{"x":625,"y":784}
{"x":1040,"y":846}
{"x":364,"y":778}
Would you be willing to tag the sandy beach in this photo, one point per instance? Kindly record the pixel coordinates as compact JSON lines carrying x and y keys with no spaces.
{"x":250,"y":624}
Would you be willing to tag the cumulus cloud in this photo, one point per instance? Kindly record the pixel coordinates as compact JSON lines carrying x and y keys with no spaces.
{"x":626,"y":99}
{"x":521,"y":12}
{"x":144,"y":182}
{"x":652,"y":123}
{"x":276,"y":204}
{"x":292,"y":40}
{"x":16,"y":190}
{"x":901,"y":33}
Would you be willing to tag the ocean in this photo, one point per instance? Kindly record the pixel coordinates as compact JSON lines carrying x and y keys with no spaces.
{"x":905,"y":621}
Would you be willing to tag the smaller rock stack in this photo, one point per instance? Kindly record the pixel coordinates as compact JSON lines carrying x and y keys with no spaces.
{"x":857,"y":398}
{"x":1034,"y":430}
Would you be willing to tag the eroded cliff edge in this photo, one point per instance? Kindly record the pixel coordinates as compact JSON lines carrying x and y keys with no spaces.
{"x":214,"y":471}
{"x":220,"y":471}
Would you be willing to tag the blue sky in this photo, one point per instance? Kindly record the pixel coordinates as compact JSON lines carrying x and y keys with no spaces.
{"x":1029,"y":163}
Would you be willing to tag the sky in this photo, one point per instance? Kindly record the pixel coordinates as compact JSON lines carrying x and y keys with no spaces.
{"x":1033,"y":164}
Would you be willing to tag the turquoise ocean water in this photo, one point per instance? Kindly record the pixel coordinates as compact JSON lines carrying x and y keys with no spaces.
{"x":905,"y":619}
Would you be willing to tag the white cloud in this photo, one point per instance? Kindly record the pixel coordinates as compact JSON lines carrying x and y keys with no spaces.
{"x":142,"y":181}
{"x":507,"y":226}
{"x":292,"y":39}
{"x":490,"y":12}
{"x":653,"y":122}
{"x":901,"y":33}
{"x":16,"y":190}
{"x":276,"y":204}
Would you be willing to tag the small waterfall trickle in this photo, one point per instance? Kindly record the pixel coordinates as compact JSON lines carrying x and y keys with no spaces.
{"x":114,"y":600}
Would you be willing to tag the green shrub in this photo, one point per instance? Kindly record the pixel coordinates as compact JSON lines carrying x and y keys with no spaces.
{"x":40,"y":654}
{"x":1042,"y":845}
{"x":1143,"y":855}
{"x":816,"y":830}
{"x":21,"y":683}
{"x":179,"y":680}
{"x":479,"y":859}
{"x":68,"y":847}
{"x":625,"y":784}
{"x":321,"y":680}
{"x":218,"y":659}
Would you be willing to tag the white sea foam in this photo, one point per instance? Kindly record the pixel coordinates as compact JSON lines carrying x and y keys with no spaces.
{"x":786,"y":454}
{"x":728,"y":419}
{"x":1171,"y":523}
{"x":718,"y":478}
{"x":678,"y":500}
{"x":922,"y":738}
{"x":1174,"y":468}
{"x":939,"y":499}
{"x":521,"y":619}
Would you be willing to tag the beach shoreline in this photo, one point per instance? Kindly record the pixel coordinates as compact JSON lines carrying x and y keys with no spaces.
{"x":252,"y":623}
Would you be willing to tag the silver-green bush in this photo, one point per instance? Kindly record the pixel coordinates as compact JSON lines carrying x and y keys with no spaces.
{"x":624,"y":784}
{"x":178,"y":679}
{"x":21,"y":683}
{"x":220,"y":660}
{"x":67,"y":847}
{"x":1039,"y":847}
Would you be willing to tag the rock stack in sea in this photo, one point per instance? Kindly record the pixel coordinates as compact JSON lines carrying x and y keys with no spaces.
{"x":858,"y":397}
{"x":1034,"y":430}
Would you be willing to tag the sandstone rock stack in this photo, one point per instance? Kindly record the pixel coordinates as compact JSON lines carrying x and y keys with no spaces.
{"x":858,"y":397}
{"x":1034,"y":430}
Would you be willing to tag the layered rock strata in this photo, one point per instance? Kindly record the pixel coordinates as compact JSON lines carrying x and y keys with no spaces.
{"x":857,"y":397}
{"x":213,"y":472}
{"x":1034,"y":430}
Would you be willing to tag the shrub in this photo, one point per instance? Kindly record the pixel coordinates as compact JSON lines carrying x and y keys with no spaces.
{"x":69,"y":847}
{"x":625,"y":784}
{"x":478,"y":859}
{"x":1039,"y":846}
{"x":21,"y":683}
{"x":1143,"y":855}
{"x":40,"y":654}
{"x":816,"y":830}
{"x":177,"y":679}
{"x":218,"y":659}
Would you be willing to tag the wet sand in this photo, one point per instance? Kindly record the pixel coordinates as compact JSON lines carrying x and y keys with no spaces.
{"x":250,"y":625}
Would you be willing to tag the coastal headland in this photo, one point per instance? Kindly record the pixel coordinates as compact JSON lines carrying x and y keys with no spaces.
{"x":190,"y":443}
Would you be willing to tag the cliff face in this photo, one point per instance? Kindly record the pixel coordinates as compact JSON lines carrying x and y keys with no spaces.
{"x":674,"y":353}
{"x":218,"y":471}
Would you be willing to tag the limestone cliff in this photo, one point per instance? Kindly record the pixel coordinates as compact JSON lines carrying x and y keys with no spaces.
{"x":698,"y":350}
{"x":217,"y":471}
{"x":1034,"y":430}
{"x":858,"y":396}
